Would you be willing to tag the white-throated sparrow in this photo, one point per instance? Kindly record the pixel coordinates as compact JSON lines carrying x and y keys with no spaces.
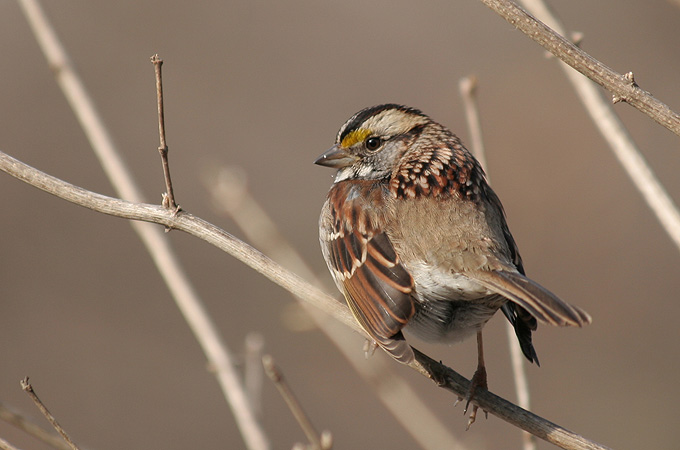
{"x":416,"y":239}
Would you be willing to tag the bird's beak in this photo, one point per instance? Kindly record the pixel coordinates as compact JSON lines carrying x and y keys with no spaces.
{"x":336,"y":157}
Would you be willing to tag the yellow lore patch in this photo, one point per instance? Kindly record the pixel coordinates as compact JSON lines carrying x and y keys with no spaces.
{"x":354,"y":137}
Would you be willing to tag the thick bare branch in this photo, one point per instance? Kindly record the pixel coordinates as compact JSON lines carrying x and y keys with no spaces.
{"x":621,"y":86}
{"x":618,"y":138}
{"x":501,"y":408}
{"x":181,"y":221}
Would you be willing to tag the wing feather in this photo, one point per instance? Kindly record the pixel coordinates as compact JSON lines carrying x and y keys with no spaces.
{"x":377,"y":287}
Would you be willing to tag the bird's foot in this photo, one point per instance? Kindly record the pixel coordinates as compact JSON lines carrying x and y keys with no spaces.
{"x":478,"y":381}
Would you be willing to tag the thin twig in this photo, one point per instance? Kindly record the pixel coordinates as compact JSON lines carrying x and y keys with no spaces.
{"x":38,"y":432}
{"x":183,"y":221}
{"x":253,"y":376}
{"x":25,"y":385}
{"x":616,"y":135}
{"x":619,"y":85}
{"x":169,"y":195}
{"x":165,"y":259}
{"x":468,"y":91}
{"x":230,"y":192}
{"x":275,"y":374}
{"x":4,"y":445}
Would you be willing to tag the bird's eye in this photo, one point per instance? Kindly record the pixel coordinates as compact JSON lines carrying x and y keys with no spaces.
{"x":373,"y":143}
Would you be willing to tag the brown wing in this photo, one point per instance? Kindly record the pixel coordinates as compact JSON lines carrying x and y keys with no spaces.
{"x":377,"y":288}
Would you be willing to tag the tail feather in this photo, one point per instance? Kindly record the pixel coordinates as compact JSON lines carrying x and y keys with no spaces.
{"x":537,"y":300}
{"x":398,"y":348}
{"x":523,"y":323}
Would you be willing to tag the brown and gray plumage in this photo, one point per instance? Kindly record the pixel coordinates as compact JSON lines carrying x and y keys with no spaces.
{"x":416,"y":239}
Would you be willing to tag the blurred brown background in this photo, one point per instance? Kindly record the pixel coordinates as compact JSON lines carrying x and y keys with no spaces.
{"x":265,"y":86}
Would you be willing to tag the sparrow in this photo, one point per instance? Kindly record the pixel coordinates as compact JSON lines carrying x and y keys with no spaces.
{"x":417,"y":241}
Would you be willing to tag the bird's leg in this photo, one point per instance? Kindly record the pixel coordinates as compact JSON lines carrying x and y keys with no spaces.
{"x":478,"y":380}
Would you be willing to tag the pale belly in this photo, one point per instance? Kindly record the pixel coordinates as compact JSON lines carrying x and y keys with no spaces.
{"x":450,"y":307}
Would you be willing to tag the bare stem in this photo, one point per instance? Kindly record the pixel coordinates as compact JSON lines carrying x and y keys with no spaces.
{"x":43,"y":409}
{"x":621,"y":86}
{"x":169,"y":195}
{"x":253,"y":372}
{"x":468,"y":92}
{"x":275,"y":374}
{"x":4,"y":445}
{"x":183,"y":221}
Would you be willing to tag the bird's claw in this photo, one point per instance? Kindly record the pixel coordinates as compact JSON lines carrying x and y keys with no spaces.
{"x":478,"y":381}
{"x":473,"y":416}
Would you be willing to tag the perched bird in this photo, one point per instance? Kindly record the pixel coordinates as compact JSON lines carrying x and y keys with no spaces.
{"x":416,"y":239}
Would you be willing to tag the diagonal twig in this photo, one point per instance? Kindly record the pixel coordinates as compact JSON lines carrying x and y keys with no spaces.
{"x":274,"y":373}
{"x":618,"y":138}
{"x":4,"y":445}
{"x":253,"y":373}
{"x":468,"y":92}
{"x":26,"y":386}
{"x":621,"y":86}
